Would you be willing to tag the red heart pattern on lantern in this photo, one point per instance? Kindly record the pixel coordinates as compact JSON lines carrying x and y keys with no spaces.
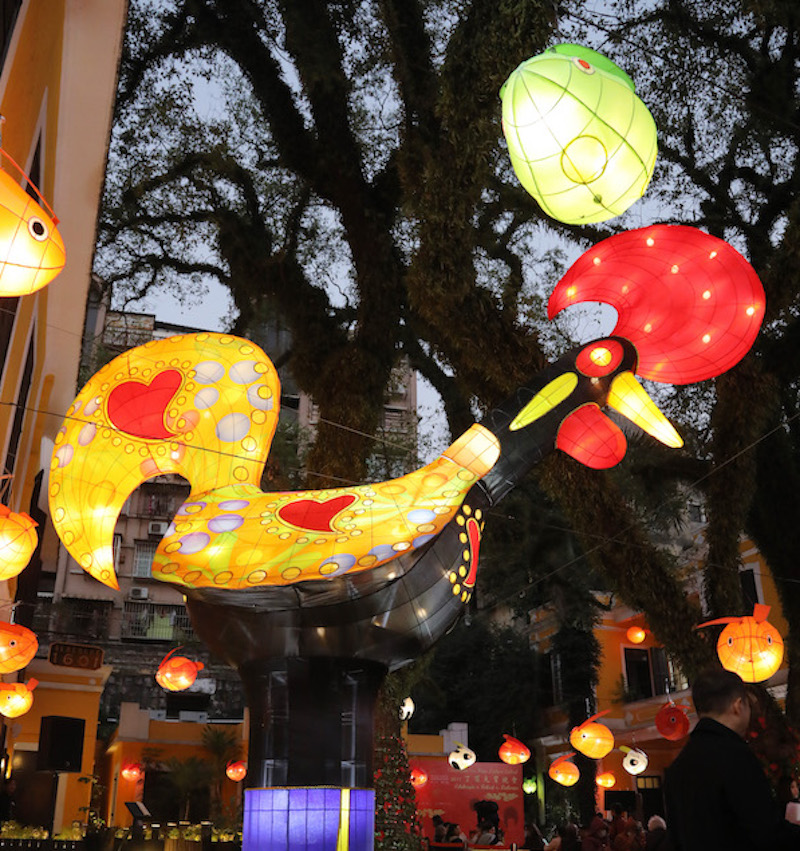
{"x":313,"y":514}
{"x":140,"y":409}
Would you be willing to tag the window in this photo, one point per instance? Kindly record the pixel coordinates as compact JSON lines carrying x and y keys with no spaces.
{"x":85,"y":618}
{"x":648,"y":672}
{"x":558,"y":684}
{"x":9,"y":9}
{"x":16,"y":426}
{"x":156,"y":622}
{"x":143,"y":554}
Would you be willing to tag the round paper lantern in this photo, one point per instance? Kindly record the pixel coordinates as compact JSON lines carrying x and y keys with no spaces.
{"x":462,"y":757}
{"x":750,"y":646}
{"x":529,"y":786}
{"x":688,"y":301}
{"x":591,"y":738}
{"x":406,"y":709}
{"x":31,"y":247}
{"x":16,"y":698}
{"x":177,"y":673}
{"x":18,"y":645}
{"x":17,"y":541}
{"x":236,"y":770}
{"x":513,"y":751}
{"x":606,"y":780}
{"x":634,"y":761}
{"x":132,"y":771}
{"x":635,"y":634}
{"x":419,"y":777}
{"x":563,"y":771}
{"x":672,"y":722}
{"x":580,"y":140}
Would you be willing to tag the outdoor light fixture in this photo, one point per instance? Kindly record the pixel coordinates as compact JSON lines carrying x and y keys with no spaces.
{"x":18,"y":540}
{"x":16,"y":698}
{"x":606,"y":780}
{"x":591,"y":738}
{"x":177,"y":673}
{"x":635,"y":634}
{"x":132,"y":772}
{"x":750,"y":646}
{"x":635,"y":760}
{"x":513,"y":751}
{"x":563,"y":771}
{"x":672,"y":722}
{"x":462,"y":757}
{"x":18,"y":645}
{"x":236,"y":770}
{"x":580,"y":140}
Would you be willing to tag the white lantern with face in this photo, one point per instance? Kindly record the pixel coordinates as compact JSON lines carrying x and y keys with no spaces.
{"x":406,"y":709}
{"x":462,"y":757}
{"x":635,"y":760}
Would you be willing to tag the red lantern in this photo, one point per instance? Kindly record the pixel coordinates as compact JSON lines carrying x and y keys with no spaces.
{"x":419,"y":777}
{"x":563,"y":771}
{"x":635,"y":634}
{"x":591,"y":738}
{"x":236,"y":770}
{"x":606,"y":780}
{"x":132,"y":771}
{"x":177,"y":673}
{"x":672,"y":722}
{"x":513,"y":751}
{"x":750,"y":646}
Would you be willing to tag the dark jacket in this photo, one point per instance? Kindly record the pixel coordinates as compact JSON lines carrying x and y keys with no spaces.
{"x":718,"y":798}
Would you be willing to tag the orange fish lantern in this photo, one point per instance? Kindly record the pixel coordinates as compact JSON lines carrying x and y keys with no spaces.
{"x":750,"y":646}
{"x":16,"y":698}
{"x":606,"y":780}
{"x":31,"y":249}
{"x":17,"y":541}
{"x":18,"y":645}
{"x":419,"y":777}
{"x":236,"y":770}
{"x":513,"y":751}
{"x":672,"y":722}
{"x":636,"y":635}
{"x":132,"y":772}
{"x":177,"y":673}
{"x":563,"y":771}
{"x":591,"y":738}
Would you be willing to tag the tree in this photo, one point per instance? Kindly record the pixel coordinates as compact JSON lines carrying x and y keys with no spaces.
{"x":187,"y":776}
{"x":223,"y":746}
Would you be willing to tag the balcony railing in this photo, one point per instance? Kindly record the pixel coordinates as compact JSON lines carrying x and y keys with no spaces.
{"x":155,"y":622}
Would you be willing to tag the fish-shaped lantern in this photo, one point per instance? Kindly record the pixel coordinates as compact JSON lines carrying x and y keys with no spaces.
{"x":672,"y":722}
{"x":16,"y":698}
{"x":18,"y":645}
{"x":636,"y":634}
{"x":563,"y":771}
{"x":31,"y":249}
{"x":580,"y":141}
{"x":462,"y":757}
{"x":419,"y":777}
{"x":749,"y":646}
{"x":236,"y":770}
{"x":592,"y":738}
{"x":132,"y":772}
{"x":606,"y":780}
{"x":18,"y":540}
{"x":177,"y":673}
{"x":513,"y":751}
{"x":635,"y":760}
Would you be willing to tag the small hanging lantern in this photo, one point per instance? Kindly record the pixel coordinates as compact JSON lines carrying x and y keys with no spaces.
{"x":16,"y":698}
{"x":419,"y":777}
{"x":563,"y":771}
{"x":177,"y":673}
{"x":513,"y":751}
{"x":406,"y":709}
{"x":636,"y":635}
{"x":18,"y":645}
{"x":672,"y":722}
{"x":580,"y":140}
{"x":236,"y":770}
{"x":634,"y":761}
{"x":132,"y":772}
{"x":462,"y":757}
{"x":529,"y":786}
{"x":591,"y":738}
{"x":606,"y":780}
{"x":750,"y":646}
{"x":17,"y":541}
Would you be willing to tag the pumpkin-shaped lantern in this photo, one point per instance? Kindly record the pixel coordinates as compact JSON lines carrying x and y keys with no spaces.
{"x":580,"y":140}
{"x":529,"y":785}
{"x":17,"y":541}
{"x":513,"y":751}
{"x":750,"y":646}
{"x":131,"y":772}
{"x":592,"y":738}
{"x":462,"y":757}
{"x":672,"y":722}
{"x":177,"y":673}
{"x":606,"y":780}
{"x":563,"y":771}
{"x":419,"y":777}
{"x":636,"y":634}
{"x":236,"y":770}
{"x":634,"y":761}
{"x":406,"y":709}
{"x":16,"y":698}
{"x":18,"y":645}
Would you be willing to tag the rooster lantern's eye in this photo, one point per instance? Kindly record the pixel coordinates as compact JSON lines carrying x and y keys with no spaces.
{"x":600,"y":358}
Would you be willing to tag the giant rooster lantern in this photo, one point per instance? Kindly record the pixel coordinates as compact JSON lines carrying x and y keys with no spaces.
{"x":314,"y":595}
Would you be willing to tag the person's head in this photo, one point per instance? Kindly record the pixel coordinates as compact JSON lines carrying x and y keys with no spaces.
{"x":437,"y":820}
{"x":617,"y":808}
{"x":723,"y":696}
{"x":598,"y":827}
{"x":656,"y":823}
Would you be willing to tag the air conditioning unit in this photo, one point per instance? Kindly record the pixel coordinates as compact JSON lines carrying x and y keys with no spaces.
{"x":157,"y":527}
{"x":139,"y":593}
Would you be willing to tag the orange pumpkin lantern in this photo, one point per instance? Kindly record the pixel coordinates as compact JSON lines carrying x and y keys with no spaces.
{"x":513,"y":751}
{"x":563,"y":771}
{"x":591,"y":738}
{"x":750,"y":646}
{"x":18,"y":645}
{"x":236,"y":770}
{"x":672,"y":721}
{"x":606,"y":780}
{"x":17,"y":541}
{"x":132,"y":772}
{"x":419,"y":777}
{"x":16,"y":698}
{"x":636,"y":635}
{"x":177,"y":673}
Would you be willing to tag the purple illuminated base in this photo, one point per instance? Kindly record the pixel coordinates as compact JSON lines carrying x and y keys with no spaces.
{"x":317,"y":818}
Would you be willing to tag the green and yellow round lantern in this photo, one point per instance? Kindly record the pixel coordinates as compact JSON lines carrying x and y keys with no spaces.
{"x":580,"y":140}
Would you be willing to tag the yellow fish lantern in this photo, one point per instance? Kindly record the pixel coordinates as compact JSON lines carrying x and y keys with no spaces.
{"x":177,"y":673}
{"x":591,"y":738}
{"x":563,"y":771}
{"x":31,"y":249}
{"x":16,"y":698}
{"x":750,"y":646}
{"x":17,"y":541}
{"x":18,"y":645}
{"x":580,"y":140}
